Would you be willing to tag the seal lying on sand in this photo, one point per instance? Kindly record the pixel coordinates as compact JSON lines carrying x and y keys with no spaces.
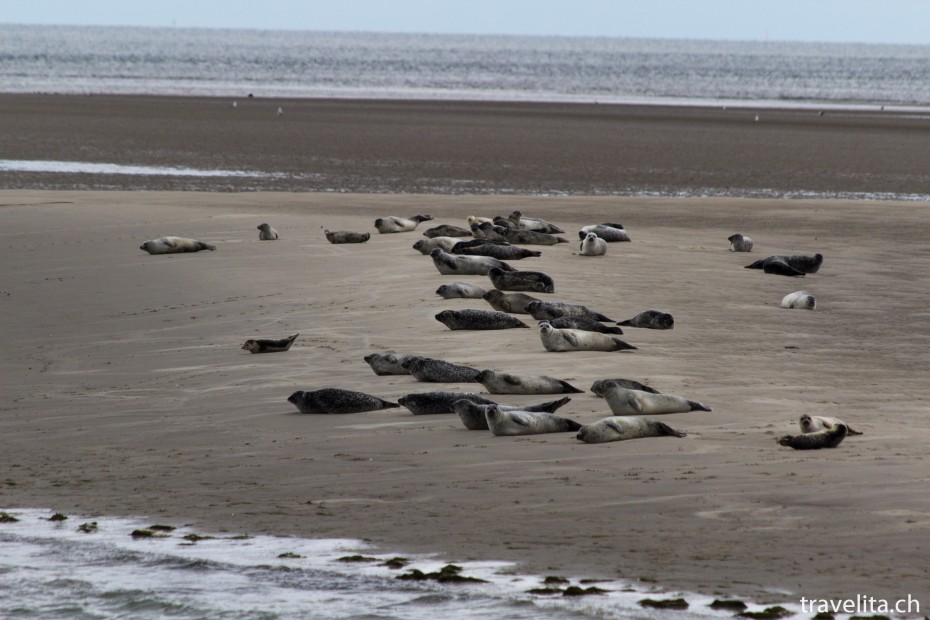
{"x":530,"y":237}
{"x":263,"y":345}
{"x":650,"y":319}
{"x":814,"y":423}
{"x":511,"y":423}
{"x":428,"y":403}
{"x":584,"y":324}
{"x":532,"y":281}
{"x":827,"y":438}
{"x":602,"y":385}
{"x":623,"y":401}
{"x":788,"y":265}
{"x":547,"y":310}
{"x":611,"y":233}
{"x":740,"y":243}
{"x":514,"y":303}
{"x":431,"y":370}
{"x":560,"y":340}
{"x":337,"y":400}
{"x":620,"y":428}
{"x":473,"y":415}
{"x":388,"y":363}
{"x":518,"y":220}
{"x":459,"y":290}
{"x":478,"y":319}
{"x":267,"y":233}
{"x":498,"y":251}
{"x":174,"y":245}
{"x":504,"y":383}
{"x":394,"y":224}
{"x":457,"y":264}
{"x":799,"y":299}
{"x":447,"y":230}
{"x":426,"y":246}
{"x":592,"y":245}
{"x":346,"y":236}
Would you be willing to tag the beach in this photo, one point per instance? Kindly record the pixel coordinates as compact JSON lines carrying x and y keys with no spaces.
{"x":127,"y":392}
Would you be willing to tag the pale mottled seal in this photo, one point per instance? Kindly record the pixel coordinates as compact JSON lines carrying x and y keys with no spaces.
{"x":788,"y":265}
{"x":530,"y":237}
{"x":512,"y":423}
{"x":623,"y":401}
{"x":740,"y":243}
{"x":346,"y":236}
{"x":584,"y":324}
{"x":514,"y":303}
{"x":337,"y":400}
{"x":264,"y":345}
{"x":499,"y":251}
{"x":827,"y":438}
{"x":546,"y":310}
{"x":394,"y":224}
{"x":814,"y":423}
{"x":459,"y":290}
{"x":447,"y":230}
{"x":431,"y":370}
{"x":456,"y":264}
{"x":518,"y":220}
{"x":174,"y":245}
{"x":478,"y":319}
{"x":429,"y":403}
{"x":650,"y":319}
{"x":473,"y":415}
{"x":602,"y":385}
{"x":560,"y":340}
{"x":504,"y":383}
{"x":267,"y":233}
{"x":477,"y":219}
{"x":592,"y":245}
{"x":425,"y":246}
{"x":611,"y":233}
{"x":799,"y":299}
{"x":621,"y":428}
{"x":532,"y":281}
{"x":389,"y":363}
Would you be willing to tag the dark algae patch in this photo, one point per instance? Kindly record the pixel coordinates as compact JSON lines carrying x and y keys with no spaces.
{"x":356,"y":558}
{"x":579,"y":591}
{"x":290,"y":555}
{"x":769,"y":613}
{"x":58,"y":517}
{"x":728,"y":604}
{"x":666,"y":603}
{"x":554,"y":580}
{"x":449,"y":573}
{"x":544,"y":591}
{"x":6,"y":517}
{"x":397,"y":562}
{"x":87,"y":528}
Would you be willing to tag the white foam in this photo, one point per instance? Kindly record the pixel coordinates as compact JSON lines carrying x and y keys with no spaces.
{"x":86,"y":167}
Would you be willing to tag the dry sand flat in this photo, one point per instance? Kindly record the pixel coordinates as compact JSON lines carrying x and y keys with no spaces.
{"x":126,"y":392}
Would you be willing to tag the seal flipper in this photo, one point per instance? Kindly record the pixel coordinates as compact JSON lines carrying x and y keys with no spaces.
{"x":696,"y":406}
{"x":550,"y":406}
{"x":759,"y":264}
{"x":781,"y":267}
{"x":665,"y":429}
{"x":568,"y":388}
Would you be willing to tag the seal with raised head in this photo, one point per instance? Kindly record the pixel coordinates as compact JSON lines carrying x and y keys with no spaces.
{"x":827,"y":438}
{"x":473,"y":415}
{"x":592,"y":245}
{"x":337,"y":400}
{"x":650,"y":319}
{"x":394,"y":224}
{"x":460,"y":290}
{"x":267,"y":233}
{"x":267,"y":345}
{"x":532,"y":281}
{"x":518,"y":220}
{"x":621,"y":428}
{"x":430,"y":370}
{"x":478,"y":319}
{"x":174,"y":245}
{"x":426,"y":246}
{"x":447,"y":230}
{"x":514,"y":303}
{"x":457,"y":264}
{"x":389,"y":363}
{"x":346,"y":236}
{"x":429,"y":403}
{"x":799,"y":299}
{"x":512,"y":423}
{"x":602,"y":385}
{"x":623,"y":401}
{"x":788,"y":265}
{"x":584,"y":324}
{"x":546,"y":310}
{"x":813,"y":423}
{"x":740,"y":243}
{"x":504,"y":383}
{"x":499,"y":251}
{"x":611,"y":233}
{"x":560,"y":340}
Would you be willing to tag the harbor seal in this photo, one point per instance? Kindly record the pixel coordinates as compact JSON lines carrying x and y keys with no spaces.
{"x":478,"y":319}
{"x":788,"y":265}
{"x":602,"y":385}
{"x":429,"y":403}
{"x":267,"y":233}
{"x":560,"y":340}
{"x":263,"y":345}
{"x":426,"y":246}
{"x":447,"y":230}
{"x":389,"y":363}
{"x":814,"y":423}
{"x":477,"y":219}
{"x":547,"y":310}
{"x":584,"y":324}
{"x":174,"y":245}
{"x":623,"y":401}
{"x":532,"y":281}
{"x":346,"y":236}
{"x":611,"y":233}
{"x":650,"y":319}
{"x":429,"y":370}
{"x":740,"y":243}
{"x":461,"y":290}
{"x":592,"y":245}
{"x":514,"y":303}
{"x":799,"y":299}
{"x":394,"y":224}
{"x":499,"y":251}
{"x":488,"y":230}
{"x":337,"y":400}
{"x":457,"y":264}
{"x":621,"y":428}
{"x":504,"y":383}
{"x":473,"y":415}
{"x":460,"y":245}
{"x":518,"y":220}
{"x":530,"y":237}
{"x":827,"y":438}
{"x":513,"y":423}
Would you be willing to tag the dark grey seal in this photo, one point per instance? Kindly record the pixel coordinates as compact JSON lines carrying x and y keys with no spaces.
{"x":827,"y":438}
{"x":471,"y":243}
{"x":813,"y":423}
{"x":518,"y":220}
{"x":531,"y":281}
{"x":487,"y":230}
{"x":431,"y":370}
{"x":602,"y":385}
{"x":788,"y":265}
{"x":547,"y":310}
{"x":428,"y":403}
{"x":478,"y":319}
{"x":473,"y":415}
{"x":175,"y":245}
{"x":388,"y":363}
{"x":266,"y":232}
{"x":265,"y":345}
{"x":611,"y":233}
{"x":346,"y":236}
{"x":337,"y":400}
{"x":447,"y":230}
{"x":584,"y":324}
{"x":740,"y":243}
{"x":650,"y":319}
{"x":514,"y":303}
{"x":530,"y":237}
{"x":498,"y":251}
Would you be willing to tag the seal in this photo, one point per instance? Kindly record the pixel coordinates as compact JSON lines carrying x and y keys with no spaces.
{"x":447,"y":230}
{"x":429,"y":403}
{"x":477,"y":219}
{"x":473,"y":415}
{"x":394,"y":224}
{"x":518,"y":221}
{"x":512,"y":423}
{"x":496,"y":250}
{"x":346,"y":236}
{"x":560,"y":340}
{"x":623,"y":401}
{"x":611,"y":233}
{"x":621,"y":428}
{"x":592,"y":245}
{"x":460,"y":245}
{"x":478,"y":319}
{"x":489,"y":231}
{"x":389,"y":363}
{"x":431,"y":370}
{"x":461,"y":290}
{"x":547,"y":310}
{"x":814,"y":423}
{"x":584,"y":324}
{"x":602,"y":385}
{"x":799,"y":299}
{"x":337,"y":400}
{"x":174,"y":245}
{"x":827,"y":438}
{"x":788,"y":265}
{"x":504,"y":383}
{"x":650,"y":319}
{"x":263,"y":345}
{"x":530,"y":237}
{"x":531,"y":281}
{"x":740,"y":243}
{"x":514,"y":303}
{"x":267,"y":233}
{"x":426,"y":246}
{"x":456,"y":264}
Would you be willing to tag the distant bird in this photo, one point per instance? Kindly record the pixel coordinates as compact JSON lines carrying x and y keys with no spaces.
{"x":281,"y":111}
{"x":757,"y":117}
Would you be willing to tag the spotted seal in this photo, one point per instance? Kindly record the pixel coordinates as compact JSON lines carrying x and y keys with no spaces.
{"x":457,"y":264}
{"x":514,"y":303}
{"x":337,"y":400}
{"x":430,"y":370}
{"x":267,"y":233}
{"x":827,"y":438}
{"x":426,"y":246}
{"x":389,"y":363}
{"x":497,"y":250}
{"x":530,"y":237}
{"x":788,"y":265}
{"x":447,"y":230}
{"x":814,"y":423}
{"x":512,"y":423}
{"x":584,"y":324}
{"x":478,"y":319}
{"x":490,"y":231}
{"x":611,"y":233}
{"x":504,"y":383}
{"x":602,"y":385}
{"x":799,"y":299}
{"x":264,"y":345}
{"x":546,"y":310}
{"x":592,"y":245}
{"x":473,"y":415}
{"x":532,"y":281}
{"x":460,"y":290}
{"x":650,"y":319}
{"x":622,"y":428}
{"x":561,"y":340}
{"x":518,"y":220}
{"x":477,"y":219}
{"x":623,"y":401}
{"x":429,"y":403}
{"x":394,"y":224}
{"x":174,"y":245}
{"x":740,"y":243}
{"x":346,"y":236}
{"x":471,"y":243}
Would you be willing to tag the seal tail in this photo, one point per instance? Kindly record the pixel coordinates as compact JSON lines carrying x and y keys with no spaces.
{"x":756,"y":265}
{"x":550,"y":406}
{"x":696,"y":406}
{"x":667,"y":430}
{"x":561,"y":240}
{"x":602,"y":318}
{"x":568,"y":388}
{"x":850,"y":431}
{"x":290,"y":340}
{"x":386,"y":404}
{"x":621,"y":345}
{"x":626,"y":323}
